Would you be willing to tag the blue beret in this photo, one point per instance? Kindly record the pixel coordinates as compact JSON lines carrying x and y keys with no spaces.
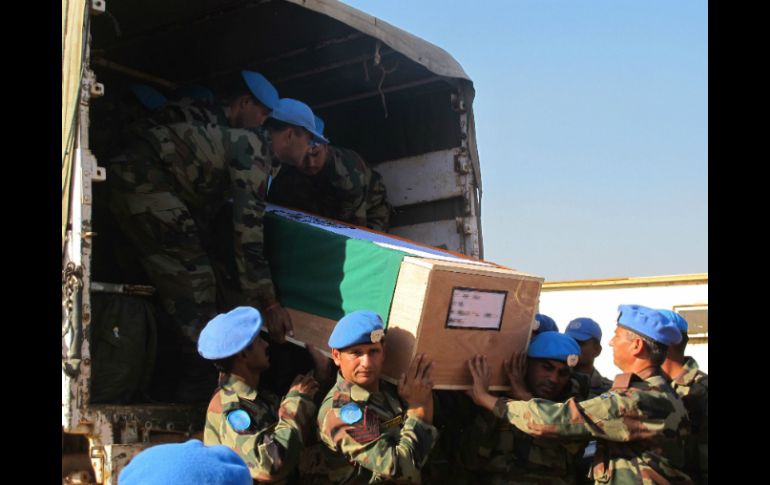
{"x":195,"y":91}
{"x":189,"y":462}
{"x":319,"y":126}
{"x":229,"y":333}
{"x":650,"y":323}
{"x":297,"y":113}
{"x":545,"y":324}
{"x":556,"y":346}
{"x":583,"y":329}
{"x":148,"y":96}
{"x":678,"y":319}
{"x":359,"y":327}
{"x":261,"y":88}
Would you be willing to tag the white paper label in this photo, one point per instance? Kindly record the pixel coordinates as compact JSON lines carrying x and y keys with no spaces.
{"x":479,"y":309}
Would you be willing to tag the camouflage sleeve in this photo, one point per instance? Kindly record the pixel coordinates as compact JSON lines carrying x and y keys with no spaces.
{"x":387,"y":458}
{"x":249,"y":163}
{"x":703,"y":444}
{"x":613,"y":416}
{"x":274,"y":452}
{"x":349,"y":180}
{"x":377,"y":207}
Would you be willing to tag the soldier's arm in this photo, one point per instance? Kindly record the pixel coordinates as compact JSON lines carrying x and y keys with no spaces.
{"x":393,"y":459}
{"x":274,"y":452}
{"x":377,"y":207}
{"x":614,"y":416}
{"x":349,"y":180}
{"x":703,"y":444}
{"x":249,"y":163}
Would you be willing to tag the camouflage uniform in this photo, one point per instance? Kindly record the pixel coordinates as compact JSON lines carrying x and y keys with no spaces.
{"x":692,"y":385}
{"x":345,"y":189}
{"x":499,"y":453}
{"x":272,"y":443}
{"x":384,"y":445}
{"x":632,"y":422}
{"x":178,"y":171}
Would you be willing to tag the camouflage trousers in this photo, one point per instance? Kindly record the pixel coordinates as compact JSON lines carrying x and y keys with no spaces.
{"x":170,"y":241}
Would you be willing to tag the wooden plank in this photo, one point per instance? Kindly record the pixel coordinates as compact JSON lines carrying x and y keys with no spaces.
{"x":405,"y":315}
{"x":450,"y":348}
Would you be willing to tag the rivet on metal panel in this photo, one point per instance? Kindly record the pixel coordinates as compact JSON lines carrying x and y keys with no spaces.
{"x":98,"y":7}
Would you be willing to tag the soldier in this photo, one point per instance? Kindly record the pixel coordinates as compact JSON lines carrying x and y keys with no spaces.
{"x":588,"y":335}
{"x":334,"y":182}
{"x":498,"y":453}
{"x":692,"y":385}
{"x":632,"y":422}
{"x":175,"y":176}
{"x":190,"y":462}
{"x":544,"y":323}
{"x":267,"y":432}
{"x":372,"y":430}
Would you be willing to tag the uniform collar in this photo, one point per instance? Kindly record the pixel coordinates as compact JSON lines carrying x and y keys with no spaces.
{"x":235,"y":384}
{"x":357,"y":393}
{"x":689,"y":372}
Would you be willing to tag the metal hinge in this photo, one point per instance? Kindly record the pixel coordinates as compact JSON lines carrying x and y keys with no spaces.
{"x":462,"y":161}
{"x":97,"y":462}
{"x":72,"y":281}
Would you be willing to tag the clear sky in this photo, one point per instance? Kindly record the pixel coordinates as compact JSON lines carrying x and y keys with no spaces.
{"x":592,"y":126}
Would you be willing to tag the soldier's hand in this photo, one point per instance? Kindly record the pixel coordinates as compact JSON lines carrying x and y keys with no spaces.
{"x":479,"y":369}
{"x":305,"y":384}
{"x":416,"y":388}
{"x":278,"y":323}
{"x":516,"y":369}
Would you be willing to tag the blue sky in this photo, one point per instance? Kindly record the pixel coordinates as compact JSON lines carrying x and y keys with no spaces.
{"x":592,"y":126}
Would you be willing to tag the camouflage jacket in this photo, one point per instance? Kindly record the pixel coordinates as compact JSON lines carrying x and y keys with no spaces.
{"x":692,"y":385}
{"x":507,"y":455}
{"x":211,"y":164}
{"x":272,"y":442}
{"x":345,"y":189}
{"x":384,"y":444}
{"x":632,"y":423}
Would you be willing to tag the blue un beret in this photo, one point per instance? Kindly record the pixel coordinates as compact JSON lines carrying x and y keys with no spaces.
{"x":359,"y":327}
{"x":295,"y":112}
{"x":678,"y":319}
{"x":189,"y":462}
{"x":261,"y":88}
{"x":148,"y":96}
{"x":556,"y":346}
{"x":229,"y":333}
{"x":650,"y":323}
{"x":583,"y":329}
{"x":545,"y":324}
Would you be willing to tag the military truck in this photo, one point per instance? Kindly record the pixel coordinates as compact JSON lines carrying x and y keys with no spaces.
{"x":404,"y":104}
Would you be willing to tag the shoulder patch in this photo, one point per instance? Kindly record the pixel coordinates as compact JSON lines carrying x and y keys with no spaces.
{"x":239,"y":420}
{"x":351,"y":413}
